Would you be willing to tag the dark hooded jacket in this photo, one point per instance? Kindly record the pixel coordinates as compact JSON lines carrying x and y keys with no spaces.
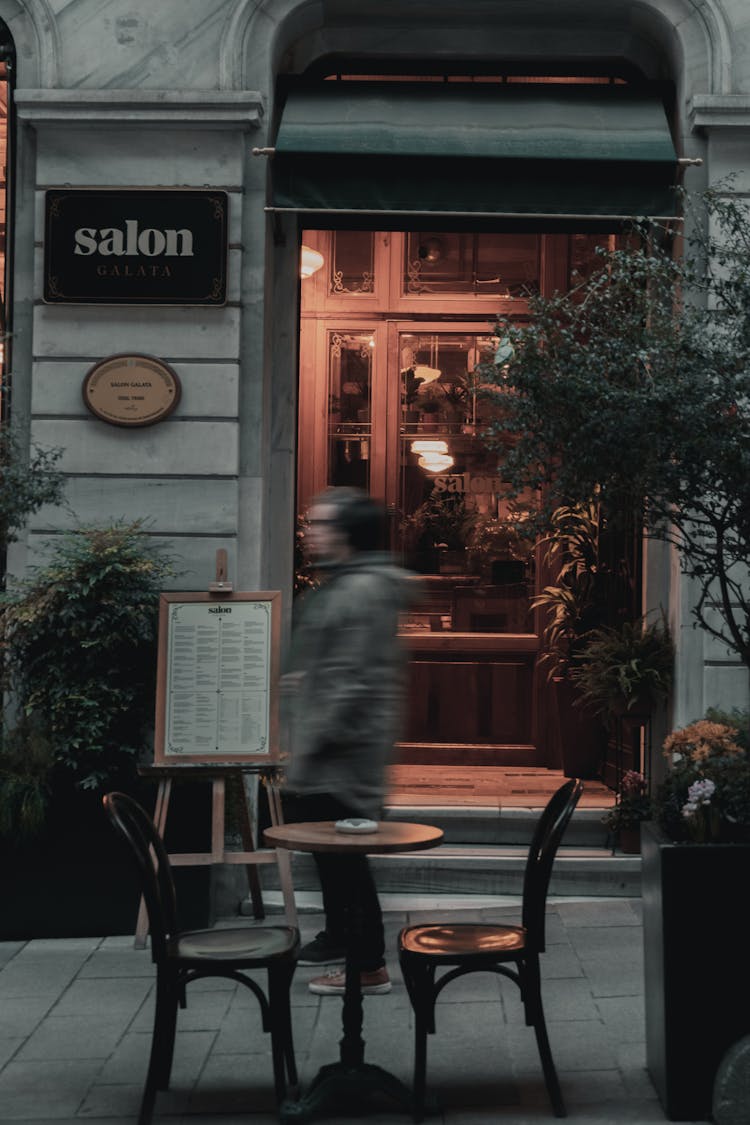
{"x":348,"y":670}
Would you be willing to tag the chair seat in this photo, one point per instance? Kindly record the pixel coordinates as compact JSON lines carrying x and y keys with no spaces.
{"x":181,"y":958}
{"x":237,"y":945}
{"x":446,"y":942}
{"x":437,"y":954}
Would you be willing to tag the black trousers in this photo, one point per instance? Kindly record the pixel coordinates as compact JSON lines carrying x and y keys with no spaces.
{"x":350,"y":897}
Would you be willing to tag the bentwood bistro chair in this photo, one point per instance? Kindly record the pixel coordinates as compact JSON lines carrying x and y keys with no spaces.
{"x":182,"y":957}
{"x":434,"y":954}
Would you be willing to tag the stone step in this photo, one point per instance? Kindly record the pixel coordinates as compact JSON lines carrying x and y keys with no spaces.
{"x":486,"y":824}
{"x":484,"y":853}
{"x":475,"y":869}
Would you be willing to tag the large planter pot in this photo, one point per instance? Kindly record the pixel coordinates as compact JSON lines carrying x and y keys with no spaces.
{"x":77,"y":878}
{"x":697,"y":969}
{"x":581,"y":735}
{"x":629,"y":840}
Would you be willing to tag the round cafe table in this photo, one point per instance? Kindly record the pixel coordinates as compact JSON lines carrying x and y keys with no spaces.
{"x":349,"y":1081}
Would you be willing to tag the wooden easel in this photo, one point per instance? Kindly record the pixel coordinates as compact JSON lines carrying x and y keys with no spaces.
{"x":218,"y":773}
{"x":250,"y":857}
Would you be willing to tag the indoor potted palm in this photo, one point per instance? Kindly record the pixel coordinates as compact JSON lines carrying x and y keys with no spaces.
{"x":573,"y":604}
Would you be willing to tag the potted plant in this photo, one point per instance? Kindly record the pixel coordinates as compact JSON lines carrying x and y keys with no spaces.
{"x":696,"y":858}
{"x":573,"y":604}
{"x":571,"y":548}
{"x":78,"y":642}
{"x":431,"y":405}
{"x":705,"y":796}
{"x":500,"y":540}
{"x":442,"y":523}
{"x":625,"y":669}
{"x":632,"y":806}
{"x":410,"y":383}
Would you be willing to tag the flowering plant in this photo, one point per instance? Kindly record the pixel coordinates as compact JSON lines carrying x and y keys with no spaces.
{"x":705,"y":797}
{"x":632,"y":804}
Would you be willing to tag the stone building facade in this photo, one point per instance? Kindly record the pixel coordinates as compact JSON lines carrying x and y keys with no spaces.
{"x":176,"y":95}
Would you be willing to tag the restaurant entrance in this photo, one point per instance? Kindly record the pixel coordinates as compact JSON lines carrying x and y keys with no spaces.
{"x":431,"y":204}
{"x":395,"y":327}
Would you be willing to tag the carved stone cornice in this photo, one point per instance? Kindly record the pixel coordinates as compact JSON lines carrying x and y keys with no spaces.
{"x":190,"y":109}
{"x":713,"y":111}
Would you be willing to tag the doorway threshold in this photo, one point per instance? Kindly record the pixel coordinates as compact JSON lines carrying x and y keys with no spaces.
{"x":485,"y":786}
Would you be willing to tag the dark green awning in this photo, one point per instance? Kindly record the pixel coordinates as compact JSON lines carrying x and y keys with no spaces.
{"x":474,"y":150}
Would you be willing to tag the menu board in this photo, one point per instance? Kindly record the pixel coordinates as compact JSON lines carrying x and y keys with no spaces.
{"x":217,"y":678}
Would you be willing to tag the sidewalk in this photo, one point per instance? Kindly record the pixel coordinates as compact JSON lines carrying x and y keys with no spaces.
{"x":75,"y":1020}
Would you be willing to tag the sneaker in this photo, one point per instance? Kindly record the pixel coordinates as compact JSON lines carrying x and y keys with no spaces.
{"x":321,"y":951}
{"x":375,"y":983}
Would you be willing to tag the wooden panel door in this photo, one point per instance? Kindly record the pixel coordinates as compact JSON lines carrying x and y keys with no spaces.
{"x":474,"y":691}
{"x":395,"y":407}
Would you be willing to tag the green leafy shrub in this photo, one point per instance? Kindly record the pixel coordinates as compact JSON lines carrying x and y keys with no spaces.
{"x":26,"y":763}
{"x":633,"y":388}
{"x":624,"y":667}
{"x":304,"y":573}
{"x":79,"y":642}
{"x":632,"y":804}
{"x":27,"y":484}
{"x":495,"y":538}
{"x":573,"y":602}
{"x":442,"y":520}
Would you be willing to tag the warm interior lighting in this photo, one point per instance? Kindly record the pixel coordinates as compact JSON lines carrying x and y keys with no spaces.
{"x":435,"y":462}
{"x":310,"y":261}
{"x":433,"y":454}
{"x":426,"y":374}
{"x":429,"y":446}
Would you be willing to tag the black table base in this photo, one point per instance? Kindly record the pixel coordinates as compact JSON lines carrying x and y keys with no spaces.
{"x":350,"y":1083}
{"x":343,"y":1087}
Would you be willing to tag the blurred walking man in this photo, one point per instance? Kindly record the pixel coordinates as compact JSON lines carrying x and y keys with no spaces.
{"x":345,"y":689}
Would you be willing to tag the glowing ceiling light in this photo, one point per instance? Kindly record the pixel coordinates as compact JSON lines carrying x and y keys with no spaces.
{"x":429,"y":446}
{"x":310,"y":261}
{"x":435,"y":462}
{"x":426,"y":374}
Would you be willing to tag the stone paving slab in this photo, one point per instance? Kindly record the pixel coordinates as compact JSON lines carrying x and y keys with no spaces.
{"x":75,"y":1030}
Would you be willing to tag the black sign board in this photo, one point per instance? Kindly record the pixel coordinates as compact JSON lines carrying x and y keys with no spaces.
{"x":138,"y":247}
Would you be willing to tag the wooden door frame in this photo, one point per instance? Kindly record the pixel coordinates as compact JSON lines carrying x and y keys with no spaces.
{"x":386,"y":318}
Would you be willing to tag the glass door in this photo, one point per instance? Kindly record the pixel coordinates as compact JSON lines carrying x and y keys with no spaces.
{"x":342,"y":407}
{"x":392,"y":328}
{"x":474,"y":694}
{"x":455,"y":525}
{"x":397,"y":408}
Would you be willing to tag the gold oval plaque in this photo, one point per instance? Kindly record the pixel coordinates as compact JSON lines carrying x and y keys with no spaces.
{"x":131,"y":390}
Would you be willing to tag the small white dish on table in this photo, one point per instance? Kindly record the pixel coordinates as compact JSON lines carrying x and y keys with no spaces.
{"x":354,"y":825}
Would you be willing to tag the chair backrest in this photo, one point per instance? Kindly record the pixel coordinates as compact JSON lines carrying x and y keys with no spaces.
{"x":542,"y":850}
{"x":146,"y":846}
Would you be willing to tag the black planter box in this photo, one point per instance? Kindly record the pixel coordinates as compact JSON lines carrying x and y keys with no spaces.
{"x":77,"y":879}
{"x":697,"y":965}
